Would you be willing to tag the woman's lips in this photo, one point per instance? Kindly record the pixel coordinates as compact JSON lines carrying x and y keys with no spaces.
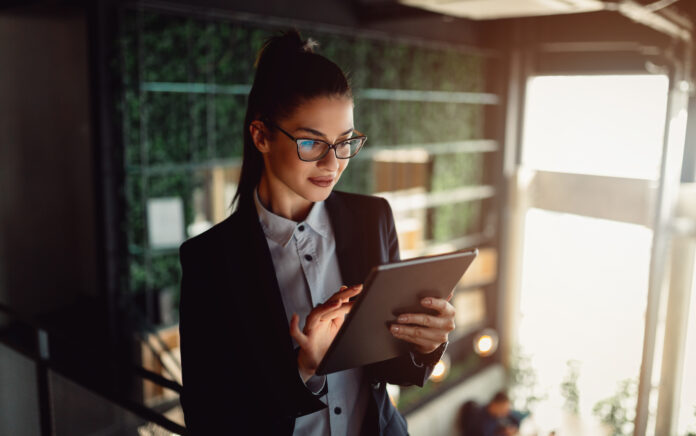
{"x":322,"y":181}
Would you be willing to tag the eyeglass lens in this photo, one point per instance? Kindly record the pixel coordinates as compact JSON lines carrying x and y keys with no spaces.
{"x":310,"y":149}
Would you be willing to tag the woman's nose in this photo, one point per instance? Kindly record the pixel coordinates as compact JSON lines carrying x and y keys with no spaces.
{"x":330,"y":161}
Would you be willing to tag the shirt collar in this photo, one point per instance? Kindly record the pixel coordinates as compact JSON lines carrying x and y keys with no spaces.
{"x":281,"y":229}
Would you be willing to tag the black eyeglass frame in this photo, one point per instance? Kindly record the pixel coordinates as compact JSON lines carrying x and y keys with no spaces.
{"x":328,"y":146}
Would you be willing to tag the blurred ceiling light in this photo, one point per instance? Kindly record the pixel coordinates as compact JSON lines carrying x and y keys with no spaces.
{"x":441,"y":369}
{"x":486,"y":342}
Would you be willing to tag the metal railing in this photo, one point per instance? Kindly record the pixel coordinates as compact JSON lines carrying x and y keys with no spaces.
{"x":37,"y":348}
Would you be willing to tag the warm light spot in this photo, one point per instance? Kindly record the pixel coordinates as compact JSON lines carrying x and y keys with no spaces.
{"x":485,"y":344}
{"x":439,"y":369}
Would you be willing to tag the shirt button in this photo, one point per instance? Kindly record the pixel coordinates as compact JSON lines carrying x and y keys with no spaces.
{"x":301,"y":228}
{"x":308,"y":257}
{"x":337,"y":410}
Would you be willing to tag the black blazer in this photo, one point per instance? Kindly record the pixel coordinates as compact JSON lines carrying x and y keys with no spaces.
{"x":239,"y":366}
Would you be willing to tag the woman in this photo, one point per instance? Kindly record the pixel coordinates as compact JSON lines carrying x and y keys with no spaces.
{"x":265,"y":291}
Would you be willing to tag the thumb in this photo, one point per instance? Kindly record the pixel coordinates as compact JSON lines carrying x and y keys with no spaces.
{"x":295,"y":331}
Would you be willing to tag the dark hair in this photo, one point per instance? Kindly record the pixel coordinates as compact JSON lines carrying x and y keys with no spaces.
{"x":288,"y":73}
{"x":500,"y":397}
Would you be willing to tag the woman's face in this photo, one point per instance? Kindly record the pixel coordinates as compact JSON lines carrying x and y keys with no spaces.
{"x":325,"y":118}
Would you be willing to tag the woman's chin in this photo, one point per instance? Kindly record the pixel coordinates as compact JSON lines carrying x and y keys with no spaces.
{"x":316,"y":193}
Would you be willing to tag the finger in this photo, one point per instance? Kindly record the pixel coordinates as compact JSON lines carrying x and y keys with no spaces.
{"x":449,"y":297}
{"x":319,"y":311}
{"x":436,"y":336}
{"x":332,"y":303}
{"x":424,"y":345}
{"x":340,"y":311}
{"x":347,"y":293}
{"x":295,"y":331}
{"x":440,"y":322}
{"x":350,"y":291}
{"x":442,"y":306}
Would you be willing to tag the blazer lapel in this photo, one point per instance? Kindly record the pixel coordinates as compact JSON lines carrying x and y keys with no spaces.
{"x":348,"y":250}
{"x":269,"y":290}
{"x":266,"y":293}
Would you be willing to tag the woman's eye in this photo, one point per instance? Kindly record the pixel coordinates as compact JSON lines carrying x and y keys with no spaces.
{"x":308,"y":143}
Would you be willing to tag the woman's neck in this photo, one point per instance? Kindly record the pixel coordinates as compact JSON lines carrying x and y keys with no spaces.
{"x":279,"y":199}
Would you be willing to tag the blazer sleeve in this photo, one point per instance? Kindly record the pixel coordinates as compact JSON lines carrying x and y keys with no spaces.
{"x":217,"y":381}
{"x":402,"y":370}
{"x":222,"y":393}
{"x":206,"y":403}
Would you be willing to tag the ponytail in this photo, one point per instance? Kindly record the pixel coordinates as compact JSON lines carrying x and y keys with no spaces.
{"x":288,"y":73}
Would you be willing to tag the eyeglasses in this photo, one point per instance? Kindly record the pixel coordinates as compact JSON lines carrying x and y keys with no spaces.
{"x":311,"y":150}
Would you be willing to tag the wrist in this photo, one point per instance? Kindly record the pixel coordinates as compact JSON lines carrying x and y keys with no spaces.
{"x":306,"y":371}
{"x":304,"y":374}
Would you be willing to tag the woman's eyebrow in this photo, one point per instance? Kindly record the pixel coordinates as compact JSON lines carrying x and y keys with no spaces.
{"x":318,"y":133}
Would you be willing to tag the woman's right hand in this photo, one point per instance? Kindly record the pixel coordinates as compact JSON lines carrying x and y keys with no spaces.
{"x":320,"y":329}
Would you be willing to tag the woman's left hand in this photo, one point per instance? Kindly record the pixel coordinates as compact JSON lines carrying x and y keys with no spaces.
{"x":426,"y":332}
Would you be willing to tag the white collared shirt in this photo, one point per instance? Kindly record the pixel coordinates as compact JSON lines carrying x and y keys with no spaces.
{"x":308,"y":274}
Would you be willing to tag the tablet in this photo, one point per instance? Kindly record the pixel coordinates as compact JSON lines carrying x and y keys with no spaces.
{"x":388,"y":291}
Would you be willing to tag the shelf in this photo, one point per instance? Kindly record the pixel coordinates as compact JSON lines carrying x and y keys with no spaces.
{"x":413,"y":95}
{"x":405,"y":202}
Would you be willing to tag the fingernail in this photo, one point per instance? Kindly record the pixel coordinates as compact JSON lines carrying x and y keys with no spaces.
{"x":395,"y":328}
{"x":427,"y":301}
{"x":403,"y":318}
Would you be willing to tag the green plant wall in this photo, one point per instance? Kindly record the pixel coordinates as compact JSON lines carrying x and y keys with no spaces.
{"x":168,"y":136}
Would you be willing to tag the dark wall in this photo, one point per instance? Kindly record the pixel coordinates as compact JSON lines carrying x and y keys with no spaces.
{"x":47,"y":216}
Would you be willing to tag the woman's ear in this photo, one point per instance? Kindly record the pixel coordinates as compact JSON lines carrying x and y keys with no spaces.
{"x":259,"y":134}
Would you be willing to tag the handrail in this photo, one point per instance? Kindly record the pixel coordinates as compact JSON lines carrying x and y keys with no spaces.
{"x":40,"y":355}
{"x":157,"y":379}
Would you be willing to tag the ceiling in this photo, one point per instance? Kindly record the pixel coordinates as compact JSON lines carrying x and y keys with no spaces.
{"x":496,"y":9}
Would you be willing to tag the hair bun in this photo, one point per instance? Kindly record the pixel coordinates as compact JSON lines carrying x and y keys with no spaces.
{"x":284,"y":46}
{"x":310,"y":45}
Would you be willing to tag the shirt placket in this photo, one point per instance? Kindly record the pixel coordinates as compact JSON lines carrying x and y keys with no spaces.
{"x":307,"y":252}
